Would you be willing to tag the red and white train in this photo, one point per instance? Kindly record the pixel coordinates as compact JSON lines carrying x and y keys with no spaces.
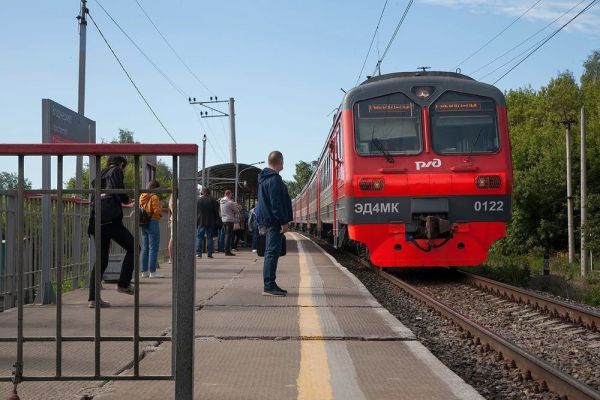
{"x":416,"y":171}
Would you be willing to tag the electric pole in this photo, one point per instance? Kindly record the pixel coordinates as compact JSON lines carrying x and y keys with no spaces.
{"x":567,"y":122}
{"x":233,"y":145}
{"x":584,"y":259}
{"x":219,"y":113}
{"x":204,"y":162}
{"x":79,"y":160}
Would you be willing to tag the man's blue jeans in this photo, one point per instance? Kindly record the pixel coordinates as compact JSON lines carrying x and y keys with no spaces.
{"x":221,"y":240}
{"x":272,"y":252}
{"x":255,"y":238}
{"x":150,"y":243}
{"x":204,"y":231}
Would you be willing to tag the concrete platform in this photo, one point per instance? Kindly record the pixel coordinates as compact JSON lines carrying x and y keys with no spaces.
{"x":328,"y":339}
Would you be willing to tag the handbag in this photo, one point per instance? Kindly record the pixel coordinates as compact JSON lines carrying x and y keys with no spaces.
{"x":262,"y":244}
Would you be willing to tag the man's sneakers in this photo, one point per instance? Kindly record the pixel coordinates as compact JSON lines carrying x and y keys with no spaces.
{"x":254,"y":250}
{"x":228,"y":253}
{"x":275,"y":291}
{"x":103,"y":304}
{"x":145,"y":274}
{"x":155,"y":275}
{"x":280,"y":289}
{"x":198,"y":255}
{"x":128,"y":290}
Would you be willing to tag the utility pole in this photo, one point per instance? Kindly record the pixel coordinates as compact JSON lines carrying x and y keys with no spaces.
{"x":219,"y":113}
{"x":233,"y":145}
{"x":567,"y":122}
{"x":584,"y":259}
{"x":79,"y":160}
{"x":204,"y":162}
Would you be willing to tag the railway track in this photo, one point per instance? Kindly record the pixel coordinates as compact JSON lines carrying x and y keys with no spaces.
{"x":534,"y":366}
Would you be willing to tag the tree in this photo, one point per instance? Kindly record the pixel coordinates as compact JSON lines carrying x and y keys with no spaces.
{"x":9,"y":181}
{"x":304,"y":170}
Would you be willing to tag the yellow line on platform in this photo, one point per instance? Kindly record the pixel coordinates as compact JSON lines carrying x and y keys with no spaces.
{"x":314,"y":377}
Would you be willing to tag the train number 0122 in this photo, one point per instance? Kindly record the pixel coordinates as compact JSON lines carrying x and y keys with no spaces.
{"x":486,"y":206}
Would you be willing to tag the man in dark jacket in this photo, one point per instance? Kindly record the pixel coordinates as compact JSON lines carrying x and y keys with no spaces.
{"x":113,"y":229}
{"x":208,"y":212}
{"x":274,"y":213}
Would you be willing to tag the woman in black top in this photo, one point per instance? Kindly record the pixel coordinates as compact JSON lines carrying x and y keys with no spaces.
{"x":113,"y":229}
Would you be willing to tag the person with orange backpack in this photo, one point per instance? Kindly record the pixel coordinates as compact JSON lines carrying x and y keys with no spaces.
{"x":152,"y":206}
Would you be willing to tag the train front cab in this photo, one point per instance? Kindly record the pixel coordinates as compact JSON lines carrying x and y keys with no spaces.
{"x":428,"y":181}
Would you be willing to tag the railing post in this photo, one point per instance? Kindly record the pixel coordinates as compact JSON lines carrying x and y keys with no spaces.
{"x":59,"y":262}
{"x":19,"y":269}
{"x":186,"y":278}
{"x":10,"y":268}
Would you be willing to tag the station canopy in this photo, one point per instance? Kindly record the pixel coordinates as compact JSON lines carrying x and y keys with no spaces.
{"x":221,"y":177}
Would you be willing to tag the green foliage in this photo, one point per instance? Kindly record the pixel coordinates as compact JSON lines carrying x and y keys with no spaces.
{"x":303,"y":172}
{"x":9,"y":181}
{"x":539,"y":166}
{"x":592,"y":228}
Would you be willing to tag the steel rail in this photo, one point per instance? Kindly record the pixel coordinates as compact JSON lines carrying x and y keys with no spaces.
{"x":571,"y":312}
{"x":539,"y":369}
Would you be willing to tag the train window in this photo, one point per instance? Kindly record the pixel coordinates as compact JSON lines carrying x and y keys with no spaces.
{"x":340,"y":148}
{"x":388,"y":124}
{"x":463,"y":123}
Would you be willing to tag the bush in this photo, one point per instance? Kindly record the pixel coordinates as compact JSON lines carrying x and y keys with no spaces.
{"x":514,"y":270}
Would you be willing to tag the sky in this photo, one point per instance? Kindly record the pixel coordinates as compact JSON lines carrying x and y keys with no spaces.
{"x":284,"y":62}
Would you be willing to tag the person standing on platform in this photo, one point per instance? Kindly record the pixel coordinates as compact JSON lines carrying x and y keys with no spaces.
{"x":253,"y":228}
{"x":112,"y":229}
{"x":229,"y":210}
{"x":274,"y":213}
{"x":208,"y":212}
{"x":151,"y":203}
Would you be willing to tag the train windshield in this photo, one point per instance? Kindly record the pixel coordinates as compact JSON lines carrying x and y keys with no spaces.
{"x":464,"y":124}
{"x":387,"y":125}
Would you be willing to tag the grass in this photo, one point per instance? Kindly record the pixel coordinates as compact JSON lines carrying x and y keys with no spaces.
{"x":527,"y":271}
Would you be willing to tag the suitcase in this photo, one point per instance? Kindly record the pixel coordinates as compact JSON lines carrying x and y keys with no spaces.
{"x":262,"y":243}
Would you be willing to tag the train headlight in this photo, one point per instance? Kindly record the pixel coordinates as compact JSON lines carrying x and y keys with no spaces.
{"x":423,"y":92}
{"x":370,"y":184}
{"x":488,"y":182}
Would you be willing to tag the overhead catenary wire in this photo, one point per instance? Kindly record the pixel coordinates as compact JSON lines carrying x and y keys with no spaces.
{"x":387,"y":48}
{"x":590,"y":5}
{"x":525,"y":40}
{"x":156,"y":67}
{"x":497,"y":35}
{"x":371,"y":44}
{"x":131,"y":79}
{"x":174,"y":51}
{"x":206,"y":126}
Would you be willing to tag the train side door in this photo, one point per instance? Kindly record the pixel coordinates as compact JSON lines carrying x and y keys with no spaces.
{"x":337,"y":154}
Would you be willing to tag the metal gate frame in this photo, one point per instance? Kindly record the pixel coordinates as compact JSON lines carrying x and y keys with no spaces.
{"x":184,"y":188}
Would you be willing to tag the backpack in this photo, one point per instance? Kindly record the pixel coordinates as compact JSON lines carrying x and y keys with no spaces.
{"x":144,"y":215}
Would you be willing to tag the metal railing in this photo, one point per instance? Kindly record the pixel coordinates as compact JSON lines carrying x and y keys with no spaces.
{"x":17,"y":215}
{"x":75,"y":261}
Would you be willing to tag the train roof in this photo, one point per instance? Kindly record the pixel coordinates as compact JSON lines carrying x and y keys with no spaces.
{"x":404,"y":82}
{"x":416,"y":73}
